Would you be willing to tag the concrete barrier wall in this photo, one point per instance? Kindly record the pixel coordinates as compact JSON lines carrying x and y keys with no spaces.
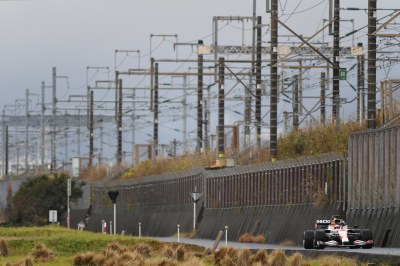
{"x":155,"y":220}
{"x":384,"y":223}
{"x":276,"y":223}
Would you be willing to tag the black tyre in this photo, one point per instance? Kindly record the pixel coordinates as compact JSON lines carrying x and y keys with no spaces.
{"x":319,"y":235}
{"x":308,"y":240}
{"x":366,"y":234}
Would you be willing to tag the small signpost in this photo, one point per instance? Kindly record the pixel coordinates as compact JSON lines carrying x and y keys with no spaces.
{"x":113,"y":196}
{"x":52,"y":216}
{"x":195,"y":196}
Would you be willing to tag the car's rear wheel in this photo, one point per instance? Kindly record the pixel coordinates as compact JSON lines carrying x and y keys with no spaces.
{"x":308,"y":240}
{"x":319,"y":236}
{"x":366,"y":234}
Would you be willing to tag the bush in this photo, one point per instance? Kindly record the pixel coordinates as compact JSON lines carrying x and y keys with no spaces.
{"x":42,"y":194}
{"x":278,"y":258}
{"x":251,"y":238}
{"x":42,"y":254}
{"x":3,"y":248}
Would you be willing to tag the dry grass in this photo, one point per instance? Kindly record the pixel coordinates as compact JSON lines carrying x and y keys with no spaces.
{"x":317,"y":139}
{"x":296,"y":259}
{"x":84,"y":259}
{"x":180,"y":253}
{"x":252,"y":238}
{"x":161,"y":166}
{"x":94,"y":173}
{"x":243,"y":257}
{"x":3,"y":248}
{"x":167,"y":252}
{"x":277,"y":258}
{"x":287,"y":243}
{"x":42,"y":254}
{"x":310,"y":140}
{"x":142,"y":249}
{"x":260,"y":257}
{"x":25,"y":262}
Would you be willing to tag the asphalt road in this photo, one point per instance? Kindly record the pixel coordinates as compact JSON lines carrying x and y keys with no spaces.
{"x":375,"y":254}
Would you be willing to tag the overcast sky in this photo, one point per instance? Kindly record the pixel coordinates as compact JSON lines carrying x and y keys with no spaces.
{"x":72,"y":34}
{"x":36,"y":35}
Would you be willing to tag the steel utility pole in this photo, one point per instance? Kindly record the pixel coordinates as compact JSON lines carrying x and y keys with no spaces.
{"x":336,"y":50}
{"x":199,"y":100}
{"x":133,"y":121}
{"x":42,"y":126}
{"x":26,"y":128}
{"x":155,"y":103}
{"x":274,"y":81}
{"x":119,"y":124}
{"x":221,"y":109}
{"x":371,"y":64}
{"x":6,"y":153}
{"x":323,"y":88}
{"x":296,"y":103}
{"x":360,"y":85}
{"x":258,"y":85}
{"x":91,"y":130}
{"x":54,"y":127}
{"x":3,"y":134}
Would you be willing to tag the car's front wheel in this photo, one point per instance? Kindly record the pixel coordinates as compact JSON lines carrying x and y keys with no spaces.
{"x":319,"y":236}
{"x":366,"y":234}
{"x":308,"y":240}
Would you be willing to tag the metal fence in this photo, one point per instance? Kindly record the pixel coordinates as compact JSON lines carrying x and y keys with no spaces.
{"x":373,"y":169}
{"x":307,"y":180}
{"x":171,"y":189}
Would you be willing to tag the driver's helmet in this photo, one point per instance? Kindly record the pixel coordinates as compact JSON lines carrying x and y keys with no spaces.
{"x":337,"y":222}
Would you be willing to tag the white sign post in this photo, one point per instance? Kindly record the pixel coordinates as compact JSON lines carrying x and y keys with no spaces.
{"x":195,"y":196}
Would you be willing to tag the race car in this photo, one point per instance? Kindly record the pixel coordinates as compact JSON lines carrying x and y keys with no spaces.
{"x":335,"y":232}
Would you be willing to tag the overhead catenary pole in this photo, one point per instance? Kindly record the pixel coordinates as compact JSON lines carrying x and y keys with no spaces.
{"x":155,"y":115}
{"x":119,"y":124}
{"x":296,"y":103}
{"x":6,"y":152}
{"x":151,"y":84}
{"x":184,"y":117}
{"x":199,"y":145}
{"x":371,"y":112}
{"x":65,"y":146}
{"x":78,"y":132}
{"x":258,"y":85}
{"x":3,"y":134}
{"x":133,"y":121}
{"x":221,"y":109}
{"x":360,"y":84}
{"x":91,"y":137}
{"x":26,"y":128}
{"x":54,"y":126}
{"x":336,"y":50}
{"x":323,"y":89}
{"x":101,"y":143}
{"x":42,"y":126}
{"x":274,"y":82}
{"x":300,"y":90}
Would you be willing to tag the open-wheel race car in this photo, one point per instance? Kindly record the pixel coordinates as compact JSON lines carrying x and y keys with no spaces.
{"x":336,"y":233}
